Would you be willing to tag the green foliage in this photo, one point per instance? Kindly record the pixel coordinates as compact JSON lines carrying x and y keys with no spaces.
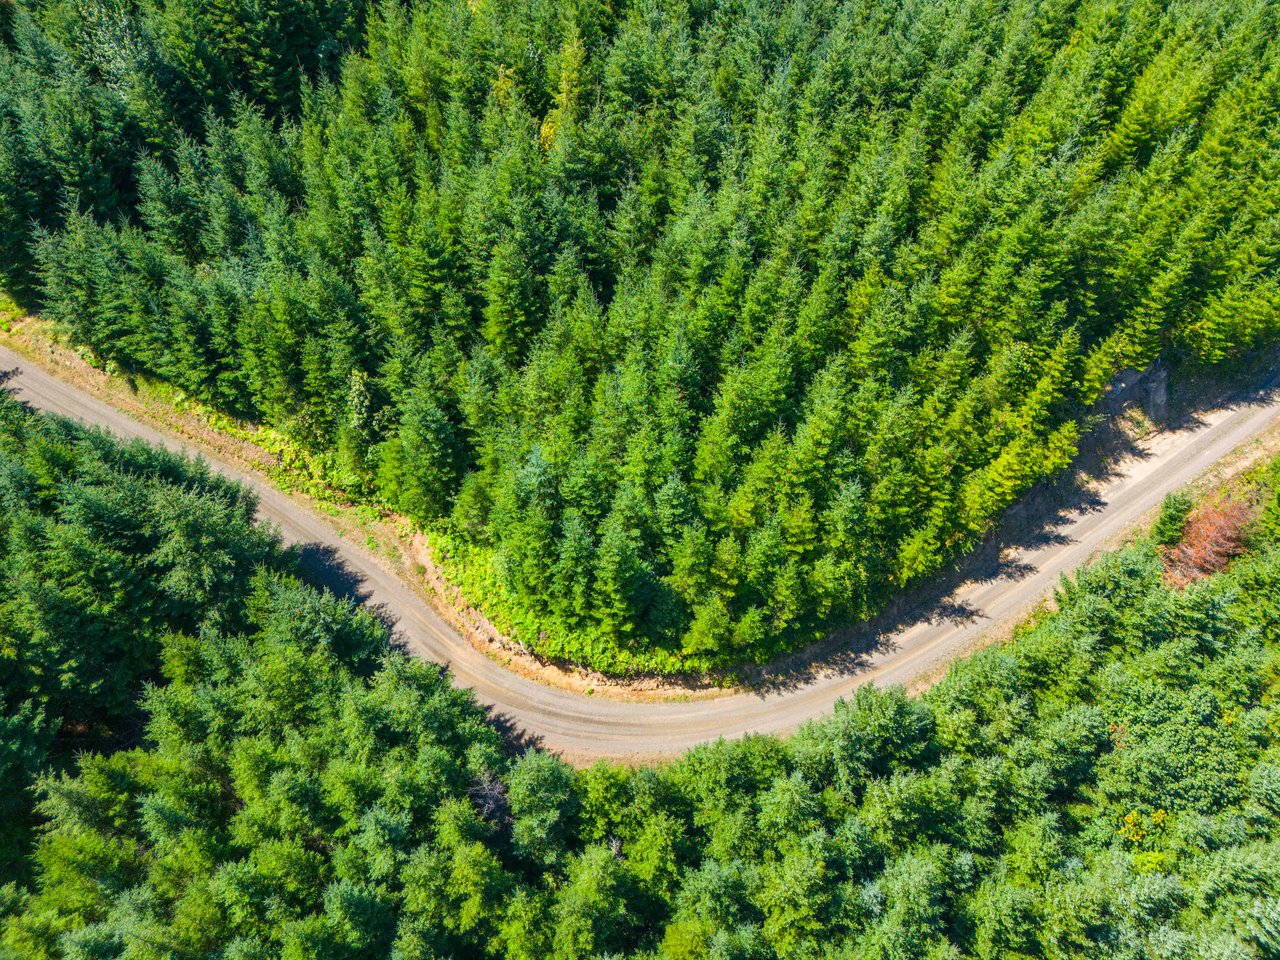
{"x":24,"y":752}
{"x":695,"y":329}
{"x":1174,"y":510}
{"x":543,"y":806}
{"x":1106,"y":784}
{"x":422,"y":463}
{"x":104,"y":549}
{"x":1268,"y":522}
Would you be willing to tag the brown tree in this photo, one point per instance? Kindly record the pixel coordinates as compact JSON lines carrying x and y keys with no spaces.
{"x":1214,"y":535}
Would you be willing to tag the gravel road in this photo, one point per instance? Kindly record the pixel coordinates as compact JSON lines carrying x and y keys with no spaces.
{"x":583,"y":727}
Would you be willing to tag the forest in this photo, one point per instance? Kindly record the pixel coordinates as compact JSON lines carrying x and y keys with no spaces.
{"x":686,"y":329}
{"x":106,"y":549}
{"x":204,"y":757}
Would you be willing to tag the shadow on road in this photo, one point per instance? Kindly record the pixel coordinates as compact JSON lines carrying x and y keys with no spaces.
{"x":322,"y":567}
{"x":1035,"y":521}
{"x":517,"y":737}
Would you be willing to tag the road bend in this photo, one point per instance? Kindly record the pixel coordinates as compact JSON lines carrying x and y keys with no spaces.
{"x":583,"y":727}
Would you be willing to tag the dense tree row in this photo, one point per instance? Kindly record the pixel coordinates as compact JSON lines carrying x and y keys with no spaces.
{"x":1105,"y":785}
{"x":104,"y":549}
{"x":689,"y":328}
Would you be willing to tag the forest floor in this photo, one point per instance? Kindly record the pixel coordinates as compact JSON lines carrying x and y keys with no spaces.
{"x":1216,"y":426}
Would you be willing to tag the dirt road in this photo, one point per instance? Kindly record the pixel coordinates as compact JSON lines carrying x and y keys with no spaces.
{"x":586,"y":727}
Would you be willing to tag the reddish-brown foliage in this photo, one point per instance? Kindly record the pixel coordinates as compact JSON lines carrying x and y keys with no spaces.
{"x":1215,"y":534}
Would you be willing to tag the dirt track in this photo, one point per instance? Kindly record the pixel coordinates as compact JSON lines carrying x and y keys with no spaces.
{"x":587,"y":727}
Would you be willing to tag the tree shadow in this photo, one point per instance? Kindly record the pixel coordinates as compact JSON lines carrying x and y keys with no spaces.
{"x":322,"y":566}
{"x":1251,"y":379}
{"x":517,"y":738}
{"x":1036,"y":520}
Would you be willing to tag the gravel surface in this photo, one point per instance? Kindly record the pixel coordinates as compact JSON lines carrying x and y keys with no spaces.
{"x":584,"y":728}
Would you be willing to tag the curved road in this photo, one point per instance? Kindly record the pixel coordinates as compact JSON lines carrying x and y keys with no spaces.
{"x":584,"y":727}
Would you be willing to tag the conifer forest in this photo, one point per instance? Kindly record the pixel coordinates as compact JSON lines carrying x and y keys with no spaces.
{"x":687,"y":332}
{"x":225,"y":762}
{"x":693,"y":329}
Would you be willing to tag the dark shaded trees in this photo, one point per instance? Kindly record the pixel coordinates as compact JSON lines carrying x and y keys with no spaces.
{"x":104,"y":549}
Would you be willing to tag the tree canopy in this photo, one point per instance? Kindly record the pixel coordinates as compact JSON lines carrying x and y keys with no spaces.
{"x":1106,"y":784}
{"x":690,"y":329}
{"x":105,"y":549}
